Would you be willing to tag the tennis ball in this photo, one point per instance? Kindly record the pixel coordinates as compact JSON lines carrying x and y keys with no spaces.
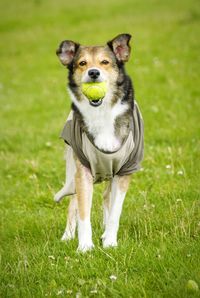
{"x":192,"y":285}
{"x":94,"y":91}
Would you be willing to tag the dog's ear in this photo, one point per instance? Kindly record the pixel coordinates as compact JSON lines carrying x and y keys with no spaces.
{"x":120,"y":47}
{"x":67,"y":51}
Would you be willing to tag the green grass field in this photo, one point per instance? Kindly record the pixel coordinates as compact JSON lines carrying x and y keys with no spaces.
{"x":159,"y":247}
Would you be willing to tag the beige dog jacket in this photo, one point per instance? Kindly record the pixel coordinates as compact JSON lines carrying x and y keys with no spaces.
{"x":103,"y":166}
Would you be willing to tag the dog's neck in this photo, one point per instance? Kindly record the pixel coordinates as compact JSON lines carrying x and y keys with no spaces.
{"x":101,"y":122}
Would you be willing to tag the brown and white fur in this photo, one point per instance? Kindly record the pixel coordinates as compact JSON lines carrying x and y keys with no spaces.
{"x":106,"y":122}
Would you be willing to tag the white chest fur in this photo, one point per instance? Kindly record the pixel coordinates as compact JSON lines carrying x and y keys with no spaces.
{"x":100,"y":121}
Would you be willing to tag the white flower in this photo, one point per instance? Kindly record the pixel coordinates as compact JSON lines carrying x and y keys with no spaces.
{"x":113,"y":277}
{"x":180,"y":172}
{"x":59,"y":293}
{"x":168,"y":166}
{"x":178,"y":200}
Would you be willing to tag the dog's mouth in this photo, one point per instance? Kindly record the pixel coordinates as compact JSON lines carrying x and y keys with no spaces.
{"x":95,"y":102}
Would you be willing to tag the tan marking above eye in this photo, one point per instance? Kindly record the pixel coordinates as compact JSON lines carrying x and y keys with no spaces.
{"x":82,"y":63}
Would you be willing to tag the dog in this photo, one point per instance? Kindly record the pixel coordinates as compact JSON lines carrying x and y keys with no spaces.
{"x":104,"y":137}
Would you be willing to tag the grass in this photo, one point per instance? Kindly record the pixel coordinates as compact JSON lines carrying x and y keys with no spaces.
{"x":159,"y":233}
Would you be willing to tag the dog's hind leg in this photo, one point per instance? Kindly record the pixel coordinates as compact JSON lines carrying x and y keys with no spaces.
{"x":106,"y":202}
{"x":71,"y":220}
{"x":119,"y":188}
{"x":106,"y":205}
{"x":69,"y":187}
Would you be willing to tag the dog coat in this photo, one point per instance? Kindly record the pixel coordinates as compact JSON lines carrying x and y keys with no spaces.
{"x":103,"y":165}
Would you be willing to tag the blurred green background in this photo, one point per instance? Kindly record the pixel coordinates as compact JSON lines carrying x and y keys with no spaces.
{"x":159,"y":234}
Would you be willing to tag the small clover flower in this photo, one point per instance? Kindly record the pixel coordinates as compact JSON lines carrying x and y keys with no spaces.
{"x":113,"y":277}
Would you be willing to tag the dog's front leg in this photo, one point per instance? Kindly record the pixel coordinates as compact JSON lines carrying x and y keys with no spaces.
{"x":119,"y":187}
{"x":84,"y":190}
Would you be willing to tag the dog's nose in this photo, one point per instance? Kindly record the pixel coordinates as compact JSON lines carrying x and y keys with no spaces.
{"x":94,"y":73}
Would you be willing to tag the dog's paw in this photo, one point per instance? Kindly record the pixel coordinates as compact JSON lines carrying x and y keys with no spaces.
{"x":57,"y":197}
{"x":61,"y":194}
{"x":67,"y":236}
{"x":109,"y":241}
{"x":84,"y":247}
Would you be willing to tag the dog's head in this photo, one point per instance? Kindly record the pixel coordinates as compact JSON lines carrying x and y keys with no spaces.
{"x":95,"y":63}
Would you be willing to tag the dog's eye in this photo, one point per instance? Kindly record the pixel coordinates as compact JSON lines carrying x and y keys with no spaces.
{"x":82,"y":63}
{"x":105,"y":62}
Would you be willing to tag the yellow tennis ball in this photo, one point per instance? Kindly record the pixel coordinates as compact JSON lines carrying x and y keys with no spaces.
{"x":94,"y":91}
